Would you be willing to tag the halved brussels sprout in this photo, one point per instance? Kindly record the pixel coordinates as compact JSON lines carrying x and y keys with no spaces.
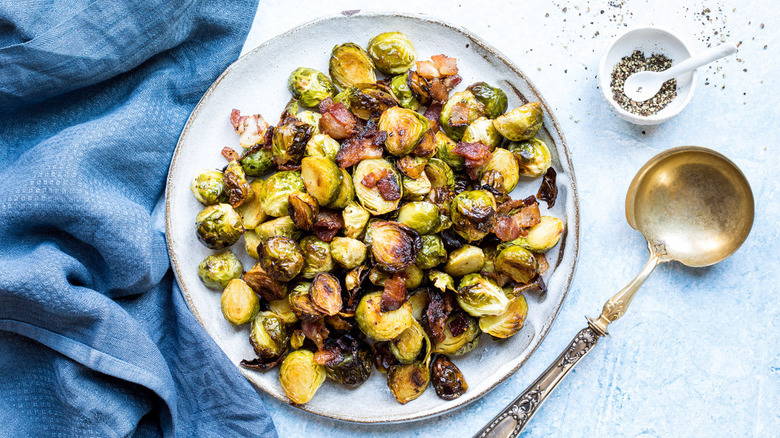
{"x":310,"y":86}
{"x":521,"y":123}
{"x":217,"y":270}
{"x":316,"y":255}
{"x":303,"y":209}
{"x":251,"y":210}
{"x":258,"y":161}
{"x":503,"y":162}
{"x":369,"y":101}
{"x":419,"y":300}
{"x":400,"y":88}
{"x":268,"y":335}
{"x":300,"y":376}
{"x":516,"y":262}
{"x":350,"y":65}
{"x":415,"y":189}
{"x":410,"y":343}
{"x":322,"y":178}
{"x":459,"y":112}
{"x":440,"y":174}
{"x":392,"y":52}
{"x":347,"y":252}
{"x":394,"y":246}
{"x":281,"y":226}
{"x":346,"y":191}
{"x":533,"y":157}
{"x":405,"y":128}
{"x":471,"y":213}
{"x":444,"y":147}
{"x":277,"y":189}
{"x":263,"y":284}
{"x":251,"y":242}
{"x":289,"y":141}
{"x":407,"y":382}
{"x":300,"y":303}
{"x":355,"y":219}
{"x":312,"y":119}
{"x":219,"y":226}
{"x":281,"y":258}
{"x":239,"y":302}
{"x":371,"y":197}
{"x":420,"y":216}
{"x":482,"y":131}
{"x":479,"y":296}
{"x":508,"y":322}
{"x":413,"y":274}
{"x":463,"y":343}
{"x":465,"y":260}
{"x":209,"y":187}
{"x":354,"y":368}
{"x":432,"y":253}
{"x":543,"y":235}
{"x":493,"y":98}
{"x":447,"y":379}
{"x":321,"y":145}
{"x":283,"y":310}
{"x":442,"y":281}
{"x":325,"y":294}
{"x":378,"y":325}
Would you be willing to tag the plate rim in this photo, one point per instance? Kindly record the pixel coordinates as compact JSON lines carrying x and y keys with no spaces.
{"x":564,"y":158}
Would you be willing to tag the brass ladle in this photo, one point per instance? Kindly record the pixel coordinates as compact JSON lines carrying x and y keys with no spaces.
{"x":692,"y":205}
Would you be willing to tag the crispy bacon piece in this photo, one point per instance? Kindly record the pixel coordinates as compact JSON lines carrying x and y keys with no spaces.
{"x":316,"y":331}
{"x":372,"y":178}
{"x":328,"y":357}
{"x":356,"y":149}
{"x":477,"y":154}
{"x":290,"y":166}
{"x":513,"y":204}
{"x":444,"y":65}
{"x":230,"y":154}
{"x":336,"y":120}
{"x":250,"y":128}
{"x":388,"y":187}
{"x":505,"y":228}
{"x":411,"y":167}
{"x":439,"y":91}
{"x":548,"y":191}
{"x":542,"y":262}
{"x":433,"y":111}
{"x":528,"y":216}
{"x":428,"y":70}
{"x":328,"y":224}
{"x":394,"y":295}
{"x":435,"y":315}
{"x":460,"y":114}
{"x":451,"y":82}
{"x":458,"y":325}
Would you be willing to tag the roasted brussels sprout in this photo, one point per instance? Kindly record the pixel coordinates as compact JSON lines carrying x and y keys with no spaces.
{"x":347,"y":252}
{"x":442,"y":281}
{"x":415,"y":189}
{"x":251,"y":211}
{"x":310,"y":86}
{"x":371,"y":198}
{"x":444,"y":147}
{"x":251,"y":242}
{"x":325,"y":294}
{"x":419,"y":300}
{"x":378,"y":325}
{"x":354,"y":368}
{"x":392,"y":52}
{"x":439,"y":174}
{"x":508,"y":322}
{"x":268,"y":335}
{"x":239,"y":302}
{"x":543,"y":235}
{"x":316,"y":255}
{"x":281,"y":226}
{"x":258,"y":161}
{"x":303,"y":209}
{"x":300,"y":376}
{"x":459,"y":112}
{"x":277,"y":189}
{"x":400,"y":88}
{"x":281,"y":258}
{"x":209,"y":187}
{"x":516,"y":262}
{"x":447,"y":379}
{"x":493,"y":98}
{"x":407,"y":346}
{"x":217,"y":270}
{"x":503,"y":162}
{"x":521,"y":123}
{"x":465,"y":260}
{"x":432,"y":253}
{"x":407,"y":382}
{"x":263,"y":284}
{"x":322,"y":178}
{"x":471,"y":213}
{"x":350,"y":65}
{"x":405,"y":128}
{"x":289,"y":141}
{"x":394,"y":246}
{"x":236,"y":183}
{"x":464,"y":342}
{"x":420,"y":216}
{"x":346,"y":191}
{"x":482,"y":131}
{"x":479,"y":296}
{"x":283,"y":310}
{"x":355,"y":219}
{"x":321,"y":145}
{"x":219,"y":226}
{"x":533,"y":157}
{"x":300,"y":303}
{"x":369,"y":101}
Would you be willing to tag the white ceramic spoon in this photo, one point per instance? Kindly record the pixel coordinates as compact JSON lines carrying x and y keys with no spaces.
{"x":643,"y":85}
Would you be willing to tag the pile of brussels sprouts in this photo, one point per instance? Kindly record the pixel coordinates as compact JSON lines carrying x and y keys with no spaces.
{"x":385,"y":237}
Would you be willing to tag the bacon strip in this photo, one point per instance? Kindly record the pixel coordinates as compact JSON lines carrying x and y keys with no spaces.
{"x":428,"y":70}
{"x":458,"y":324}
{"x":388,"y":187}
{"x":477,"y":154}
{"x":394,"y":295}
{"x":327,"y":225}
{"x":250,"y":128}
{"x":506,"y":228}
{"x":371,"y":178}
{"x":439,"y":308}
{"x":528,"y":216}
{"x":336,"y":121}
{"x":445,"y":66}
{"x":316,"y":331}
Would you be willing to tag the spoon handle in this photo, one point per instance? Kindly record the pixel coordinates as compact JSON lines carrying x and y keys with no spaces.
{"x":511,"y":421}
{"x":698,"y":60}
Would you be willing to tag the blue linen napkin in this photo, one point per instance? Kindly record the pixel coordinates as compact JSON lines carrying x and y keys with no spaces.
{"x":94,"y":338}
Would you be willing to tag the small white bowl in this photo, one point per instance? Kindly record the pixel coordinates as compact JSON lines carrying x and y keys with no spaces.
{"x":648,"y":40}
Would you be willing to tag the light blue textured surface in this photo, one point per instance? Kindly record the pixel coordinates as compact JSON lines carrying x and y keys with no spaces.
{"x":699,"y":352}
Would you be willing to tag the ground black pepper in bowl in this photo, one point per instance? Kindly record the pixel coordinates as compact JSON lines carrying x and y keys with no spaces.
{"x":636,"y":63}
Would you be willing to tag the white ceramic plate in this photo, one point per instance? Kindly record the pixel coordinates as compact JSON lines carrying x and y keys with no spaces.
{"x":257,"y":83}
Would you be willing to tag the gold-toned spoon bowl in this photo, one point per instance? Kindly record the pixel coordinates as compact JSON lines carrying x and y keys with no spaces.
{"x":692,"y":205}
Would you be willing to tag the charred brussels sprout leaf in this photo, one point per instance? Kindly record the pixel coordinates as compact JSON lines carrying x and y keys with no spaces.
{"x":407,"y":382}
{"x":459,"y":112}
{"x":325,"y":294}
{"x":301,"y":305}
{"x":442,"y":281}
{"x":447,"y":379}
{"x":277,"y":189}
{"x":421,"y":89}
{"x":461,"y":343}
{"x":405,"y":128}
{"x":310,"y":86}
{"x":369,"y":101}
{"x":432,"y":253}
{"x":316,"y":255}
{"x":516,"y":262}
{"x":350,"y":65}
{"x":394,"y":246}
{"x":281,"y":258}
{"x":533,"y":157}
{"x":322,"y":178}
{"x":378,"y":325}
{"x":521,"y":123}
{"x":289,"y":141}
{"x":508,"y":322}
{"x":303,"y":209}
{"x":465,"y":260}
{"x":217,"y":270}
{"x":504,"y":163}
{"x":392,"y":52}
{"x":347,"y":252}
{"x":300,"y":376}
{"x":493,"y":98}
{"x":479,"y":296}
{"x":354,"y":365}
{"x":219,"y":226}
{"x":209,"y":187}
{"x":268,"y":335}
{"x":471,"y":213}
{"x":239,"y":302}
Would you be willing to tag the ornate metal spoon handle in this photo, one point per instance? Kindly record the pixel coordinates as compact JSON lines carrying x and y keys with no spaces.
{"x":513,"y":419}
